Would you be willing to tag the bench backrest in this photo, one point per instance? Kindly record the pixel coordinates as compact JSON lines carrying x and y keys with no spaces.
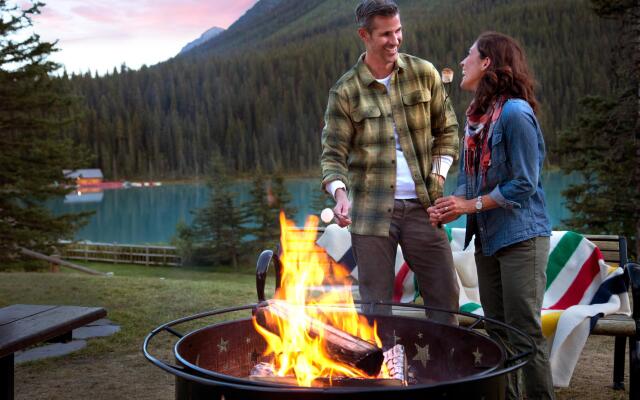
{"x":613,"y":248}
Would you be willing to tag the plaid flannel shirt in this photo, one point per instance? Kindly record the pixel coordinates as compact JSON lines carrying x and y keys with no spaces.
{"x":358,"y":145}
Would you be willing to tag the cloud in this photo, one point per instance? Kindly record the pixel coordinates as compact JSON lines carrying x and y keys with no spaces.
{"x":153,"y":30}
{"x":98,"y":13}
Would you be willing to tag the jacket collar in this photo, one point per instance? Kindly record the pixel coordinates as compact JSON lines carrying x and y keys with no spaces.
{"x":365,"y":74}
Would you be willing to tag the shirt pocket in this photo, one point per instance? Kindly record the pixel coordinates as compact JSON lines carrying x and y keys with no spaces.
{"x":498,"y":171}
{"x":367,"y":123}
{"x":417,"y":108}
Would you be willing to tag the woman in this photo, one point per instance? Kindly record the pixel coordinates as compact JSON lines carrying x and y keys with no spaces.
{"x":499,"y":188}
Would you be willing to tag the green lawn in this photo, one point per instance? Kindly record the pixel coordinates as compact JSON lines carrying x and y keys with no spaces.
{"x":137,"y":298}
{"x":141,"y":298}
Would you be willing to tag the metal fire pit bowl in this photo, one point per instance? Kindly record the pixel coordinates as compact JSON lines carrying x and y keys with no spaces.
{"x":445,"y":362}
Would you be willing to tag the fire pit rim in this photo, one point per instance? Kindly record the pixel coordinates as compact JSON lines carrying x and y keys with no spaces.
{"x":218,"y":379}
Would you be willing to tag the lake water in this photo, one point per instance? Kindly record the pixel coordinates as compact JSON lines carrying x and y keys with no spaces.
{"x":150,"y":215}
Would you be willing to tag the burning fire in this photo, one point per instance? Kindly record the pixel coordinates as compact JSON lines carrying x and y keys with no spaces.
{"x":298,"y":348}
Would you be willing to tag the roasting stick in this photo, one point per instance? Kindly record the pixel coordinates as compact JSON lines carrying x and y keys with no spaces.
{"x":447,"y":78}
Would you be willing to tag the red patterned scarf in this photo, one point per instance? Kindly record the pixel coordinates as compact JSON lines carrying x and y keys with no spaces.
{"x":477,"y":139}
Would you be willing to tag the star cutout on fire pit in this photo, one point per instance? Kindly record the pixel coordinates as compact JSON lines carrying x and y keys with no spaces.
{"x":477,"y":356}
{"x":222,"y":346}
{"x":423,"y":354}
{"x":248,"y":340}
{"x":420,"y":335}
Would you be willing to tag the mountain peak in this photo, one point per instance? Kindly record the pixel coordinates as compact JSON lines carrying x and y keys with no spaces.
{"x":205,"y":37}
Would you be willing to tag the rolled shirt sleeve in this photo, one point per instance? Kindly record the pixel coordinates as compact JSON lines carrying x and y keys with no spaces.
{"x":335,"y":185}
{"x":525,"y":151}
{"x":441,"y":165}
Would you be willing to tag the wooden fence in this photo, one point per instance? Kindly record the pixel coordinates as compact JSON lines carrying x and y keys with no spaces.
{"x":120,"y":253}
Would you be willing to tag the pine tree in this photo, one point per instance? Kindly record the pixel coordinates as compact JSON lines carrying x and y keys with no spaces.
{"x":218,"y":228}
{"x":268,"y":199}
{"x":604,"y":144}
{"x":259,"y":212}
{"x":281,"y":202}
{"x":281,"y":196}
{"x":34,"y":107}
{"x":262,"y":101}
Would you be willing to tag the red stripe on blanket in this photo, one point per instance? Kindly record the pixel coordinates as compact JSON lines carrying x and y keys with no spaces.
{"x":589,"y":270}
{"x":399,"y":282}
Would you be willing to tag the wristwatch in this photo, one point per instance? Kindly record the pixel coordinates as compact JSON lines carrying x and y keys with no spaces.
{"x":479,"y":204}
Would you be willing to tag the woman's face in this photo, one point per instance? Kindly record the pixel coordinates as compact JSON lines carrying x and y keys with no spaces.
{"x":473,"y":67}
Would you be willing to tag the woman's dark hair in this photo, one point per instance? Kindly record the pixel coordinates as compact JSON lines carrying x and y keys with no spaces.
{"x":508,"y":74}
{"x":367,"y":9}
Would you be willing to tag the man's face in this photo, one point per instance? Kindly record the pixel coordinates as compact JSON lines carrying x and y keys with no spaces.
{"x":383,"y":42}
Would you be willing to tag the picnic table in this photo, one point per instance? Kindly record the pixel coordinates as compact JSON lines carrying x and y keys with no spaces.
{"x":23,"y":325}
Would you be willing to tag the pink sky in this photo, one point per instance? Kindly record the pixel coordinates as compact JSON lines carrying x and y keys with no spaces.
{"x":98,"y":35}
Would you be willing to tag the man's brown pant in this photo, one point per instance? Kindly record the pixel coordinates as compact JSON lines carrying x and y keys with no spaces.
{"x":425,"y":249}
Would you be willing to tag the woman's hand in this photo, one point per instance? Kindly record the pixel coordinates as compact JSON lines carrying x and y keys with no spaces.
{"x":447,"y":209}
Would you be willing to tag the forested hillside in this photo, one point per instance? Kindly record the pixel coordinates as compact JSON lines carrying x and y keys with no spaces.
{"x":256,"y":93}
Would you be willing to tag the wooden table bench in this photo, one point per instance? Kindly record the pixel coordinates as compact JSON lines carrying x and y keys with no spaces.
{"x":24,"y":325}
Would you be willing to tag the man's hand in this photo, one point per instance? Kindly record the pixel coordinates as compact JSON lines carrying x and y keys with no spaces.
{"x":342,"y":208}
{"x":447,"y":209}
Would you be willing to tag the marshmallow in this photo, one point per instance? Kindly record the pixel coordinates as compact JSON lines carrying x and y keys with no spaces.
{"x":326,"y":215}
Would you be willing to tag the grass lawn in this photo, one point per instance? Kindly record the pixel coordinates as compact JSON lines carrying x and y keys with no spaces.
{"x":141,"y":298}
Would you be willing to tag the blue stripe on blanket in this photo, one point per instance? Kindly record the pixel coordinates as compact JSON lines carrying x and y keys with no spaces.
{"x":348,"y":260}
{"x":615,"y":285}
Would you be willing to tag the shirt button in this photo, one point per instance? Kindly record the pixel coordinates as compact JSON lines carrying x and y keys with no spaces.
{"x":391,"y":186}
{"x":393,"y":161}
{"x":389,"y":210}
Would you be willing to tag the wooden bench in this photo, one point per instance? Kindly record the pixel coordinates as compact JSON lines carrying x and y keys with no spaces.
{"x":614,"y":251}
{"x":24,"y":325}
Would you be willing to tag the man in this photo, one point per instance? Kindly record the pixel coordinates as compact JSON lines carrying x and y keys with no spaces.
{"x":389,"y":139}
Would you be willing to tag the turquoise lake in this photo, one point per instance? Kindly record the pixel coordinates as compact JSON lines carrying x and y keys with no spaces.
{"x":150,"y":215}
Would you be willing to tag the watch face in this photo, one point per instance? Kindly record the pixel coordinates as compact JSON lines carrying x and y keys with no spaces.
{"x":479,"y":204}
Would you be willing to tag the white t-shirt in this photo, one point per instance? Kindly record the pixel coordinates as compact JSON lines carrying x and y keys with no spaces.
{"x":405,"y":186}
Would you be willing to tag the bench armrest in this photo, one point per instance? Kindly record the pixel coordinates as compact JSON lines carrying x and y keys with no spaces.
{"x":633,"y":273}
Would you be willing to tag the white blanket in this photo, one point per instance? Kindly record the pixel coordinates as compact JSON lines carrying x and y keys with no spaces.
{"x":580,"y":288}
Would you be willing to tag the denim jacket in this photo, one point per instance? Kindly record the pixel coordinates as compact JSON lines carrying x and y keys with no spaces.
{"x":512,"y":180}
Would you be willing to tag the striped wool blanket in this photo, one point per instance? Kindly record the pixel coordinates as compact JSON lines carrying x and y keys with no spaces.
{"x":580,"y":289}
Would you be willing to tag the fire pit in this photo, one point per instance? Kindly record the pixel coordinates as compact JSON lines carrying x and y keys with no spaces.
{"x":445,"y":362}
{"x":301,"y":345}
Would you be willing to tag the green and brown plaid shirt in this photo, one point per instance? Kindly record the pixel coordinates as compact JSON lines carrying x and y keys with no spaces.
{"x":358,"y":145}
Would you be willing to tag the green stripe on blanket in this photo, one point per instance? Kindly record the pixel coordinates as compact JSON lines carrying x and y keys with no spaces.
{"x":561,"y":254}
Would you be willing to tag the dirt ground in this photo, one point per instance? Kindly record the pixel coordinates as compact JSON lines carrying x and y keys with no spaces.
{"x":117,"y":376}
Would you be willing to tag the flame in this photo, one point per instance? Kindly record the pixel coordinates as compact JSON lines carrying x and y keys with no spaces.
{"x":297,"y":352}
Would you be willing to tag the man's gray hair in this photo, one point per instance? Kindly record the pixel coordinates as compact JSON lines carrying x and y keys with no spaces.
{"x":367,"y":9}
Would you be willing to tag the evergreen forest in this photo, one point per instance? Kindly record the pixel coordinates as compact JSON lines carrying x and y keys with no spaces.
{"x":255,"y":95}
